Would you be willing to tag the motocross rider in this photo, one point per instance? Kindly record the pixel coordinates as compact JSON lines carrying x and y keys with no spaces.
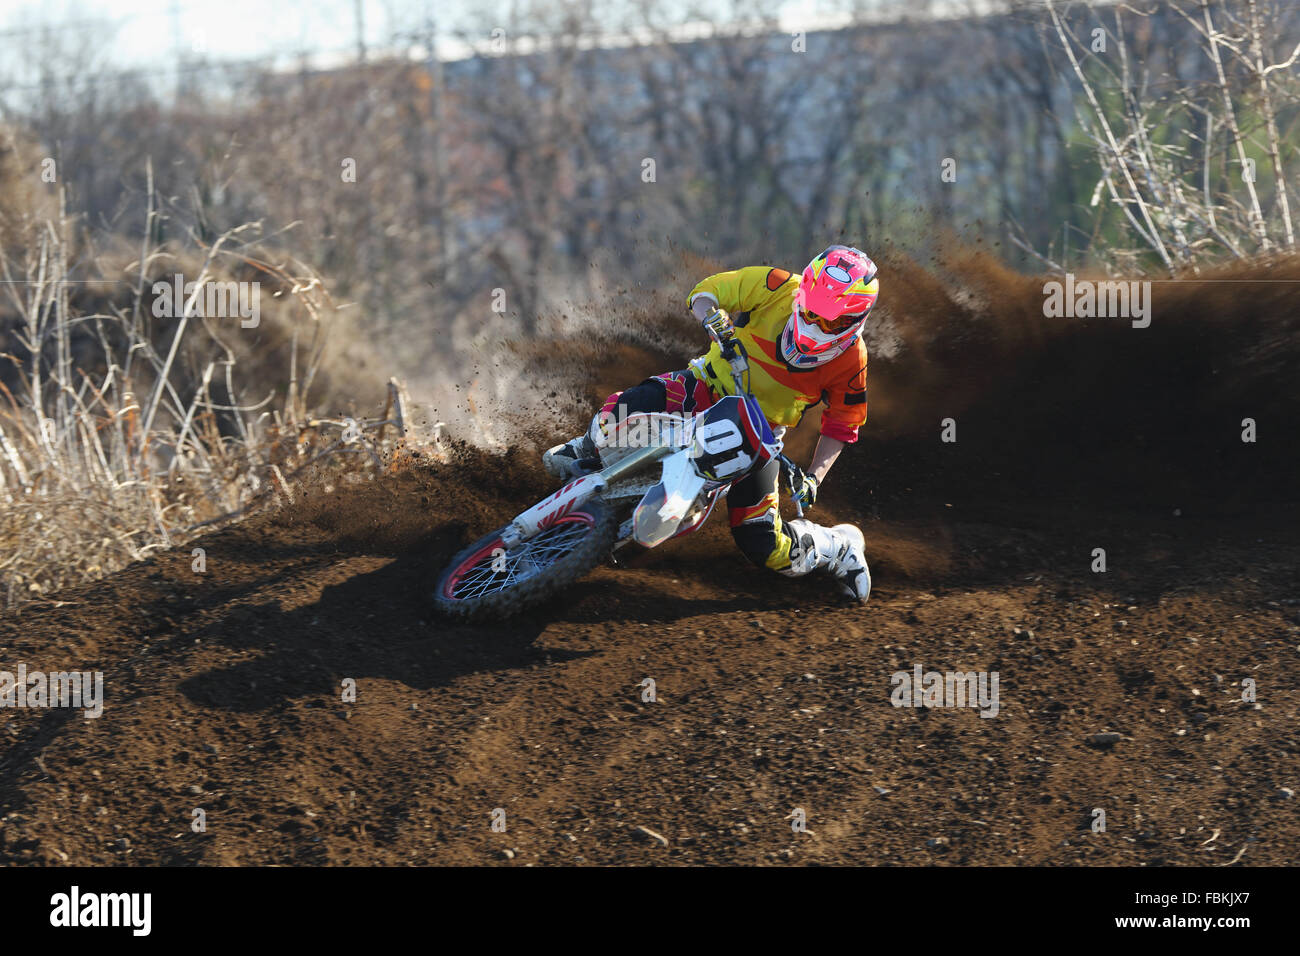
{"x":803,"y":336}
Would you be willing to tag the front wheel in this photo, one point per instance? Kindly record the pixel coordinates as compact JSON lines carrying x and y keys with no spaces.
{"x":489,"y":581}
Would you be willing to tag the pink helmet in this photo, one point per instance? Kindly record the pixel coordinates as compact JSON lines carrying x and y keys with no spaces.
{"x":837,"y":290}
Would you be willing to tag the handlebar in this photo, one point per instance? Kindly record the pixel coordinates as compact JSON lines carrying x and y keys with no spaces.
{"x":723,"y":331}
{"x":793,"y":478}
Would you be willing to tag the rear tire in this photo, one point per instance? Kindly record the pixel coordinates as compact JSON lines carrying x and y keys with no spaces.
{"x":470,"y":590}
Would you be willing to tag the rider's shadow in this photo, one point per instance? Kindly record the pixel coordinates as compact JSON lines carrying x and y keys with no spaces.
{"x":379,"y":624}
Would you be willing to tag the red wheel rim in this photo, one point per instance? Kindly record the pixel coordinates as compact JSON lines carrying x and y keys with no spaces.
{"x":544,"y":542}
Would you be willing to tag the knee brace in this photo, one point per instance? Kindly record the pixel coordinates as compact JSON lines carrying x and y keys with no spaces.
{"x":760,"y":535}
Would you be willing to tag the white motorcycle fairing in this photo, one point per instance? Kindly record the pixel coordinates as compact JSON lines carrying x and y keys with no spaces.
{"x":666,"y":505}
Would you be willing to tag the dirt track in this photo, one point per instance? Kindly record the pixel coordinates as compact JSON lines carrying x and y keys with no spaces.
{"x":223,"y":689}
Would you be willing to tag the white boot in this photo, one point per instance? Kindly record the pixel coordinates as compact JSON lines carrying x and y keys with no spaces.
{"x":575,"y":457}
{"x":838,"y":550}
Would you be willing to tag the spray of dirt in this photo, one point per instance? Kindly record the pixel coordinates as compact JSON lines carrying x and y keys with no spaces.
{"x":1071,"y":406}
{"x":1076,"y":413}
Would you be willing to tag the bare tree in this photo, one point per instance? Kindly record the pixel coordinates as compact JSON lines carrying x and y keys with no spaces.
{"x":1165,"y":177}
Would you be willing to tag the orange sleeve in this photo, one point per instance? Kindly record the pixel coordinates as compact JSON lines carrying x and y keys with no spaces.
{"x":846,"y":406}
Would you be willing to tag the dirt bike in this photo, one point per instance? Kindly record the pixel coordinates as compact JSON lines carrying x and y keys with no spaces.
{"x":661,"y":475}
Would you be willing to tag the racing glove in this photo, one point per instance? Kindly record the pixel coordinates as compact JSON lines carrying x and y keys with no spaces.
{"x":706,"y":305}
{"x":805,"y":489}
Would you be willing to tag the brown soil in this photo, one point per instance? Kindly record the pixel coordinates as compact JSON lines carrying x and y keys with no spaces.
{"x":223,"y":689}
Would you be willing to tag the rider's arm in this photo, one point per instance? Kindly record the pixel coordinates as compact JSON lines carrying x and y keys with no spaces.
{"x":739,"y":290}
{"x":824,"y":455}
{"x":846,"y":411}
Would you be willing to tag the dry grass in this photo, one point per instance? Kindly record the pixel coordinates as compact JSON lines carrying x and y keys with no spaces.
{"x":123,"y":433}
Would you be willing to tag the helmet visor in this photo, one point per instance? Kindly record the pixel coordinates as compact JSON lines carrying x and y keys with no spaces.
{"x":828,"y":325}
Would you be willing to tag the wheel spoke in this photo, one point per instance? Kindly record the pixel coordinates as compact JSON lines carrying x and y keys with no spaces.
{"x":530,"y":558}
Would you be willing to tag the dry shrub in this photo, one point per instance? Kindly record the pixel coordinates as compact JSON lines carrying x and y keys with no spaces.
{"x":122,"y":432}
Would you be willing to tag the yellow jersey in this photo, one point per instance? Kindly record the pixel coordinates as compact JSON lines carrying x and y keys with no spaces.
{"x":760,"y":301}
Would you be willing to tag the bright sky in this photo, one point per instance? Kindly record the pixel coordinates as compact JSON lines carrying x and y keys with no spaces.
{"x":92,"y":38}
{"x":144,"y":32}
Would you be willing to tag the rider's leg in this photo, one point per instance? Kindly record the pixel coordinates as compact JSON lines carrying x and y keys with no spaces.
{"x":798,"y":547}
{"x":756,"y":522}
{"x":669,"y":392}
